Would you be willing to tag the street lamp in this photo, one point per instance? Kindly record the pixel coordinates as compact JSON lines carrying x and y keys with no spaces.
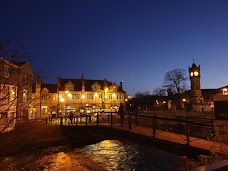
{"x":82,"y":97}
{"x":105,"y":96}
{"x":61,"y":99}
{"x":95,"y":96}
{"x":113,"y":100}
{"x":67,"y":93}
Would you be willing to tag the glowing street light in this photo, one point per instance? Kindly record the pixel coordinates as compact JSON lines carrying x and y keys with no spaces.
{"x":61,"y":99}
{"x":67,"y":93}
{"x":95,"y":96}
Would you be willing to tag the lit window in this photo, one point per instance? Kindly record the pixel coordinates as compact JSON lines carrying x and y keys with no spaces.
{"x":54,"y":97}
{"x":25,"y":95}
{"x":89,"y":96}
{"x":6,"y":71}
{"x":75,"y":96}
{"x":44,"y":109}
{"x":44,"y":96}
{"x":12,"y":93}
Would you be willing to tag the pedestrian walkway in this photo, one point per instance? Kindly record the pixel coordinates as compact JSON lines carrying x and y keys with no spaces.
{"x":173,"y":137}
{"x":113,"y":122}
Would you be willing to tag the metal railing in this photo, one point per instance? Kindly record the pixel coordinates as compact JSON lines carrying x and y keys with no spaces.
{"x":200,"y":128}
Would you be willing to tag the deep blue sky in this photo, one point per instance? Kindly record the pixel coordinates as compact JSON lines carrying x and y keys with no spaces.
{"x":134,"y":41}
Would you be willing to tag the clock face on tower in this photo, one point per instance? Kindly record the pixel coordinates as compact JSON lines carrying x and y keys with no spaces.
{"x":191,"y":74}
{"x":196,"y":73}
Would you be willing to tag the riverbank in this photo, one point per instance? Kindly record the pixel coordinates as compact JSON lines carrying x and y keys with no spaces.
{"x":30,"y":136}
{"x":36,"y":134}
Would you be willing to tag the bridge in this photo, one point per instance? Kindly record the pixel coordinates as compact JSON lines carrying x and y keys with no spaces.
{"x":195,"y":132}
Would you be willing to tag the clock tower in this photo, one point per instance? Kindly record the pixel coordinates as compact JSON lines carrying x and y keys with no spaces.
{"x":196,"y":94}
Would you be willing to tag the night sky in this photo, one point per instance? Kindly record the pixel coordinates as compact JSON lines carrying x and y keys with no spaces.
{"x":134,"y":41}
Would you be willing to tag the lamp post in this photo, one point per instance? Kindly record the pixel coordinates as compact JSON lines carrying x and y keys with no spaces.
{"x":105,"y":95}
{"x":82,"y":97}
{"x":113,"y":99}
{"x":61,"y":118}
{"x":67,"y":93}
{"x":61,"y":101}
{"x":95,"y":96}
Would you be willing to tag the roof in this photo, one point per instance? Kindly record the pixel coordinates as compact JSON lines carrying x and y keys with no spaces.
{"x":77,"y":85}
{"x":210,"y":91}
{"x":204,"y":91}
{"x":88,"y":84}
{"x":51,"y":87}
{"x":194,"y":65}
{"x":18,"y":63}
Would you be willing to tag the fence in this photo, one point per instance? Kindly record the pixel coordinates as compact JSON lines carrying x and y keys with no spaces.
{"x":200,"y":128}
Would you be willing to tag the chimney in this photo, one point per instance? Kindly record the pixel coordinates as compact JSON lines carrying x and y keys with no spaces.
{"x":39,"y":82}
{"x":121,"y":84}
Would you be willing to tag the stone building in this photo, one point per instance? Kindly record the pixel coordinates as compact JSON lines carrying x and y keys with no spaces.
{"x":15,"y":90}
{"x":201,"y":99}
{"x":77,"y":95}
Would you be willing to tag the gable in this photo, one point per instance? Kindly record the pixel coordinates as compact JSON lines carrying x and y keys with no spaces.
{"x":69,"y":86}
{"x":95,"y":87}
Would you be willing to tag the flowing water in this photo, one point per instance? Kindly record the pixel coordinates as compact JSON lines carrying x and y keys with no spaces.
{"x":106,"y":155}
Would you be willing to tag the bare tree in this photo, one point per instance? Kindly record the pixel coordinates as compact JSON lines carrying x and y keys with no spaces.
{"x":175,"y":80}
{"x":142,"y":94}
{"x":159,"y":91}
{"x":14,"y":54}
{"x":15,"y":86}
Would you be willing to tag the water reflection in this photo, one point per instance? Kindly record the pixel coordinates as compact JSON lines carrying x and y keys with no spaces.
{"x":106,"y":155}
{"x":125,"y":155}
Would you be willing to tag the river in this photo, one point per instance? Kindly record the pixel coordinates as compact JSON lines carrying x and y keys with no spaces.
{"x":107,"y":155}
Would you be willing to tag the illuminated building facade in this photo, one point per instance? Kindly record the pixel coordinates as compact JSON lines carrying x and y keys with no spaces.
{"x":77,"y":95}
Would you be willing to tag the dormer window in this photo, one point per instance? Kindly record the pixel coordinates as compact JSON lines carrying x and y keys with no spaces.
{"x":6,"y":71}
{"x":114,"y":87}
{"x":96,"y":87}
{"x":69,"y":86}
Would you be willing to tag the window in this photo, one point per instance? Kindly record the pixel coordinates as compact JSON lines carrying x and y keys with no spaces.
{"x":6,"y":71}
{"x":75,"y":96}
{"x":44,"y":96}
{"x":54,"y":97}
{"x":13,"y":93}
{"x":25,"y":95}
{"x":89,"y":96}
{"x":110,"y":96}
{"x":100,"y":96}
{"x":44,"y":109}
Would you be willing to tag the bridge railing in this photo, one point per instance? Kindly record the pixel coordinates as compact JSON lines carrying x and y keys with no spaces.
{"x":94,"y":118}
{"x":189,"y":127}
